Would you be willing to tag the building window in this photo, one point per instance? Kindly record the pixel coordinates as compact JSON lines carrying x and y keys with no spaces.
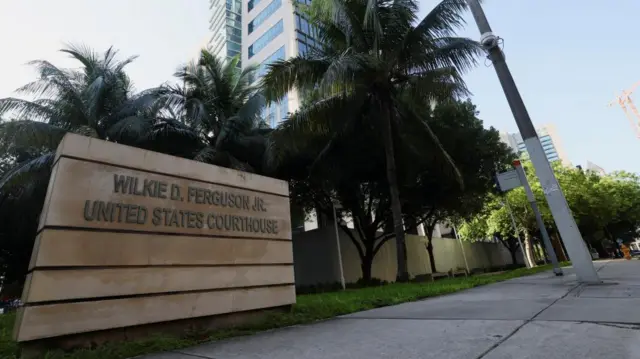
{"x":235,"y":38}
{"x":234,"y":6}
{"x":277,"y":55}
{"x":234,"y":46}
{"x":266,"y":38}
{"x":251,"y":4}
{"x":304,"y":25}
{"x":235,"y":23}
{"x":305,"y":34}
{"x":270,"y":114}
{"x":302,"y":48}
{"x":284,"y":108}
{"x":275,"y":113}
{"x":264,"y":14}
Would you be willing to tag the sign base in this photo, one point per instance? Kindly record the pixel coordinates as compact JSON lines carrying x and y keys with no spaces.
{"x":192,"y":327}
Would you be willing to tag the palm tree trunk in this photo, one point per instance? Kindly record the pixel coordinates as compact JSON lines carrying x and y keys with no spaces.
{"x":394,"y":192}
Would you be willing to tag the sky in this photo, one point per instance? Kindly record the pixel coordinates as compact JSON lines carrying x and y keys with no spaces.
{"x":567,"y":57}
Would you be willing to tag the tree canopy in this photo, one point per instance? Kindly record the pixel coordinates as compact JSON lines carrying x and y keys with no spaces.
{"x":378,"y":67}
{"x":213,"y":116}
{"x":384,"y":137}
{"x":605,"y":208}
{"x":351,"y":173}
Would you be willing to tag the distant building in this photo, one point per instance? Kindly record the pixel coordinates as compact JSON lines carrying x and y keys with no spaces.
{"x":549,"y":139}
{"x":273,"y":31}
{"x":594,"y":167}
{"x":225,"y":24}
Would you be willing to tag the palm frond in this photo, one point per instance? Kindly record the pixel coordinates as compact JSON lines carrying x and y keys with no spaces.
{"x":207,"y":154}
{"x":443,"y":20}
{"x":23,"y":109}
{"x":52,"y":81}
{"x":437,"y":85}
{"x":328,"y":118}
{"x":297,"y":72}
{"x":373,"y":24}
{"x":252,"y":108}
{"x":85,"y":55}
{"x":25,"y":134}
{"x":87,"y":131}
{"x":423,"y":125}
{"x":129,"y":129}
{"x":430,"y":54}
{"x":27,"y":174}
{"x":341,"y":74}
{"x":339,"y":27}
{"x":168,"y":127}
{"x":222,"y":158}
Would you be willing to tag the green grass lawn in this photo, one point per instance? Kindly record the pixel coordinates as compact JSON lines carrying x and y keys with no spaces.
{"x":309,"y":308}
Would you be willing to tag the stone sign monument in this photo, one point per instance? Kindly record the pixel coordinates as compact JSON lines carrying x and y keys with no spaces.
{"x":129,"y":237}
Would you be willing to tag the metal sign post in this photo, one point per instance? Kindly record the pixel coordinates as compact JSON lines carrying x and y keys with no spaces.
{"x":515,"y":230}
{"x":464,"y":256}
{"x":543,"y":230}
{"x":513,"y":179}
{"x":507,"y":181}
{"x":335,"y":225}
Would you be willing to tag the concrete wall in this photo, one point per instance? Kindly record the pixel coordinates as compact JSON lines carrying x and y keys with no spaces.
{"x":316,"y":259}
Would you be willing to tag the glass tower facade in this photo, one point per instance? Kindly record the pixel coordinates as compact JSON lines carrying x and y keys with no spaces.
{"x":548,"y":138}
{"x":225,"y":24}
{"x":274,"y":31}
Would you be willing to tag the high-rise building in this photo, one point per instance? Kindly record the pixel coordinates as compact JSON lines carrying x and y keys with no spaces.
{"x":273,"y":31}
{"x":225,"y":24}
{"x":549,"y":139}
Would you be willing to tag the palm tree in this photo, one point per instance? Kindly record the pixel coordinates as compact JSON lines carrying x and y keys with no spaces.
{"x":96,"y":100}
{"x":377,"y":67}
{"x":218,"y":103}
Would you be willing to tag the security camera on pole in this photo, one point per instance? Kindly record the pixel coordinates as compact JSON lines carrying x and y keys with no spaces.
{"x":578,"y":253}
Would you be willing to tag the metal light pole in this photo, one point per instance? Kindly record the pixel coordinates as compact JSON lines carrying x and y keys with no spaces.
{"x":464,"y":256}
{"x":515,"y":230}
{"x":335,"y":225}
{"x":543,"y":229}
{"x":580,"y":257}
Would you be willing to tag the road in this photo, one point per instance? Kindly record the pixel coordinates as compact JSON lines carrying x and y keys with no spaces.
{"x":539,"y":316}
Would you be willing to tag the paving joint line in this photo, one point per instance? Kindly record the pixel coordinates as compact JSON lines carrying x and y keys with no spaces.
{"x":614,"y":325}
{"x":505,"y":338}
{"x":589,"y":322}
{"x":189,"y":354}
{"x":426,"y":319}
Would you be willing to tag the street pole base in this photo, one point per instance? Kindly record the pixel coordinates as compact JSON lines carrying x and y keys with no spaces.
{"x":558,"y":272}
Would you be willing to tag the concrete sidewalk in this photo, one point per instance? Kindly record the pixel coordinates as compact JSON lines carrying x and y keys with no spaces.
{"x":539,"y":316}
